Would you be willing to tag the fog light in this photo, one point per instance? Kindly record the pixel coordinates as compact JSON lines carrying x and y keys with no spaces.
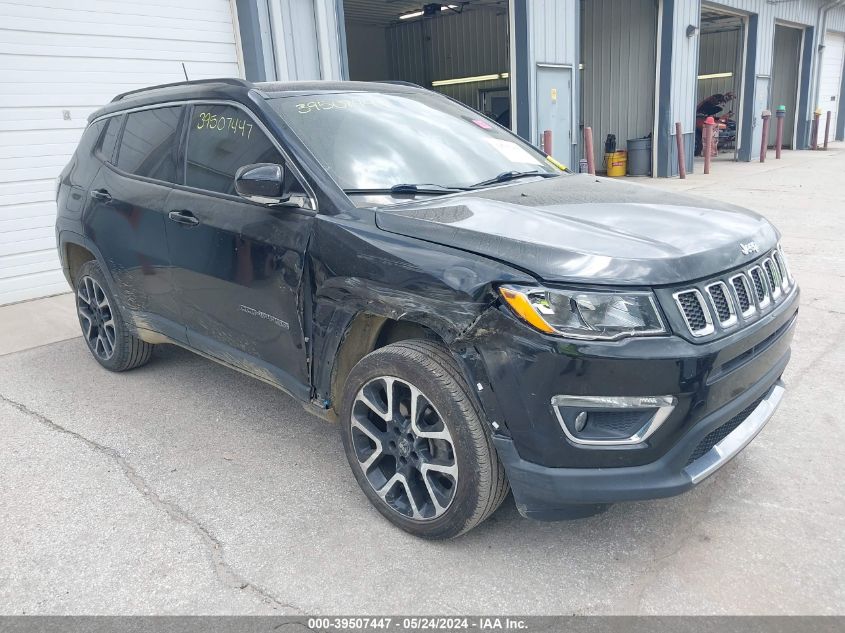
{"x":580,"y":421}
{"x":611,"y":420}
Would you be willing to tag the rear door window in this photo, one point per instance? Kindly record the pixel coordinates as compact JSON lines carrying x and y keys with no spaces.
{"x":149,"y":146}
{"x":221,"y":139}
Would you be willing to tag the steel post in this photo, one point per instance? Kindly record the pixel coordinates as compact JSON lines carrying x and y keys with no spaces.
{"x":682,"y":159}
{"x":764,"y":143}
{"x":588,"y":150}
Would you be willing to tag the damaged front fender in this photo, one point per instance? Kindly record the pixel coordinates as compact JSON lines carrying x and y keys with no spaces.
{"x":360,"y":271}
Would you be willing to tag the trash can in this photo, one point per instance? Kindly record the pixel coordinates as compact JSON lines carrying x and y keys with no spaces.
{"x":639,"y":156}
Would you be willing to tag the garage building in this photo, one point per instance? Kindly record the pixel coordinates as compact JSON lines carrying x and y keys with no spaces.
{"x":628,"y":69}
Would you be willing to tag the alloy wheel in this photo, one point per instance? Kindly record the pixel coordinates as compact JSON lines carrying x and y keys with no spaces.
{"x":404,"y":448}
{"x":96,"y":317}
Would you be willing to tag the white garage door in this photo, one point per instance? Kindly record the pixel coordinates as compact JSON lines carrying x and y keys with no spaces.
{"x":59,"y":61}
{"x":831,"y":80}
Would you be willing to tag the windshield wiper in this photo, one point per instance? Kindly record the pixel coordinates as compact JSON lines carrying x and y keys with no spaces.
{"x":409,"y":188}
{"x":505,"y":176}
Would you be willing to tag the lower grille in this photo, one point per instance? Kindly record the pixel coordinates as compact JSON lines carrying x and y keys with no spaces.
{"x":628,"y":422}
{"x":714,"y":437}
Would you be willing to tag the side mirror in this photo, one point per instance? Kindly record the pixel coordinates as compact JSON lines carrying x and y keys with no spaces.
{"x":261,"y":182}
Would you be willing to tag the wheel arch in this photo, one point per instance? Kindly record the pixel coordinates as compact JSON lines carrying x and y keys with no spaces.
{"x":75,"y":250}
{"x":365,"y":333}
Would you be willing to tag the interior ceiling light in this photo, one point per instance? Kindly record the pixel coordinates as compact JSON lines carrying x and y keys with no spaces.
{"x":716,"y":76}
{"x":421,"y":12}
{"x":469,"y":80}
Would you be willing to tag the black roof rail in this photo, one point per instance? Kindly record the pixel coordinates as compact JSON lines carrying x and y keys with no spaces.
{"x":223,"y":80}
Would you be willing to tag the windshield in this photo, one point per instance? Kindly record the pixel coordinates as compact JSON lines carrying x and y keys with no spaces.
{"x":375,"y":141}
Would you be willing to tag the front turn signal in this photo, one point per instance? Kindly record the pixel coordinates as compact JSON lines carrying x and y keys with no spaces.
{"x":520,"y":304}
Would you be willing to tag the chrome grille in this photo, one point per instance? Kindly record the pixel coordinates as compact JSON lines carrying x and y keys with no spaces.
{"x":725,"y":302}
{"x":773,"y":276}
{"x":695,"y":312}
{"x":780,"y":259}
{"x":761,"y":288}
{"x":743,"y":294}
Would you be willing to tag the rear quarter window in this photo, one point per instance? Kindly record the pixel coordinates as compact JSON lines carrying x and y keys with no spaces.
{"x":149,"y":145}
{"x":108,"y":138}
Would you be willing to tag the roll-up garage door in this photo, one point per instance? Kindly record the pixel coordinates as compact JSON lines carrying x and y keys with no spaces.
{"x":833,"y":58}
{"x":61,"y":60}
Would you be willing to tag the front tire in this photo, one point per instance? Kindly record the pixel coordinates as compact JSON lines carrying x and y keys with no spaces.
{"x":103,"y":328}
{"x":416,"y":442}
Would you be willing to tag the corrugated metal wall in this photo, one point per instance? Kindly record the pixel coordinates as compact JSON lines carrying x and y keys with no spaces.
{"x":553,"y":33}
{"x":367,"y":52}
{"x":683,"y":88}
{"x":469,"y":44}
{"x":306,"y":39}
{"x":295,"y":38}
{"x":784,"y":84}
{"x":618,"y":81}
{"x":718,"y":54}
{"x":798,"y":12}
{"x":684,"y":64}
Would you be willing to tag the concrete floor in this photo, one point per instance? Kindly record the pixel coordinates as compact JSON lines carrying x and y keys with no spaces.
{"x":32,"y":323}
{"x":183,"y":487}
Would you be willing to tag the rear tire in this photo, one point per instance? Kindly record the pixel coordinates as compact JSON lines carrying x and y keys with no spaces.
{"x":430,"y":468}
{"x":103,"y":328}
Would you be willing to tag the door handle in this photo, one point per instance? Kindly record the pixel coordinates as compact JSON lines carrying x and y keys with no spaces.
{"x":102,"y":195}
{"x":183,"y":216}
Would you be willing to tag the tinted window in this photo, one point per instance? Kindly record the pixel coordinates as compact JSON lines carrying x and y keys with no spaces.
{"x":89,"y":138}
{"x":150,"y":143}
{"x":369,"y":140}
{"x":222,"y":139}
{"x":105,"y":146}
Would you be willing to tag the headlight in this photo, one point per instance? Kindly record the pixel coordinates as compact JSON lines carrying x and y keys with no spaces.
{"x":585,"y":315}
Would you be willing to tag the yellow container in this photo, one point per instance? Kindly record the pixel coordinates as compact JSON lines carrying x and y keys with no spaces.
{"x":617,"y":163}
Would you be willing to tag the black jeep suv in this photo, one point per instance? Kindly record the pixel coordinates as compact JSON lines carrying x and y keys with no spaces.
{"x":475,"y":318}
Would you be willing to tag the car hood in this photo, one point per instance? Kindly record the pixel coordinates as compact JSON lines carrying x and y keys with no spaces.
{"x":588,"y":229}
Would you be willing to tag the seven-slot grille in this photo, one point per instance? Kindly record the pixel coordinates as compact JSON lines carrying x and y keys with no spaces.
{"x":744,"y":293}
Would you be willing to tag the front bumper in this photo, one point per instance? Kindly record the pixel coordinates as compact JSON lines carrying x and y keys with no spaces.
{"x":725,"y":389}
{"x":553,"y":493}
